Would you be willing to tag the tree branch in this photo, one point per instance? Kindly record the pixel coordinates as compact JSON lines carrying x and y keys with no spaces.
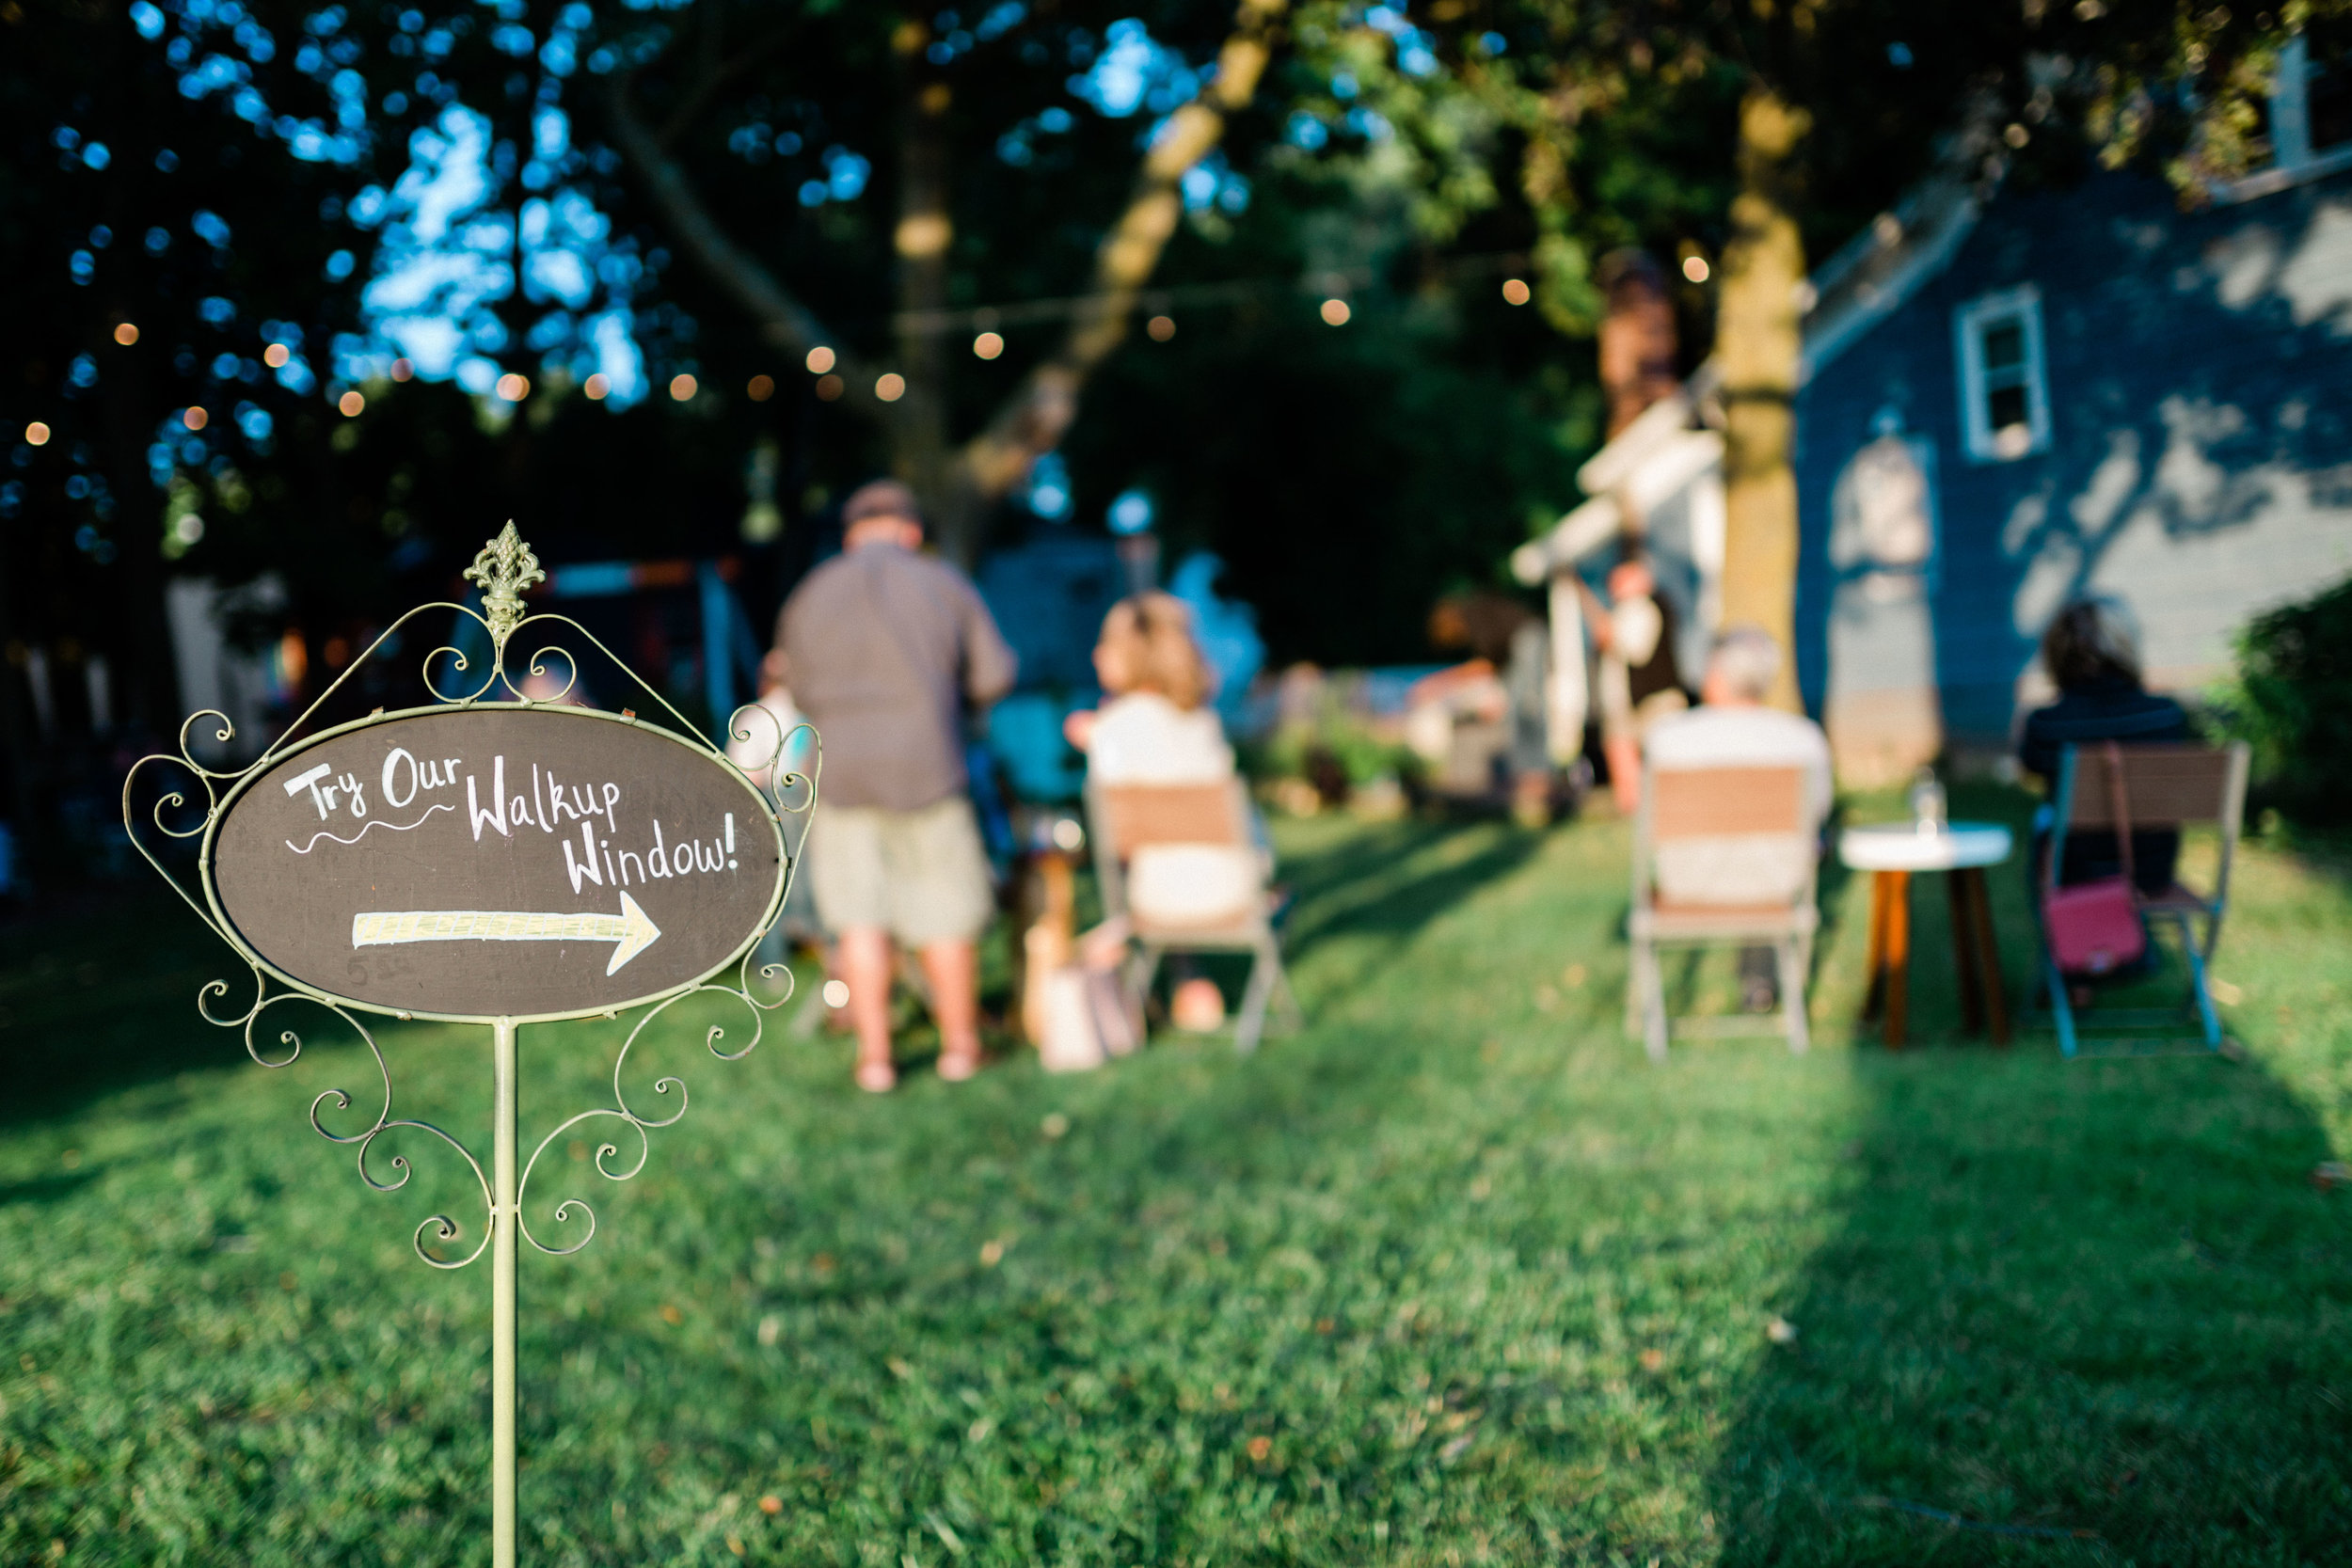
{"x":1037,"y":417}
{"x":781,"y":321}
{"x":699,"y":97}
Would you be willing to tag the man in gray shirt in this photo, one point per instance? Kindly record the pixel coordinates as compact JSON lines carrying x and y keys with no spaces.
{"x":882,"y":647}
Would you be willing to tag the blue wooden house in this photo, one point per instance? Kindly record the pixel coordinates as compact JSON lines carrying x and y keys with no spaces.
{"x":2012,"y":398}
{"x":2015,"y":399}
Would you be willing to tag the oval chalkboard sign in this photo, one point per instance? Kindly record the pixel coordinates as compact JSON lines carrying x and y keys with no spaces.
{"x":496,"y":863}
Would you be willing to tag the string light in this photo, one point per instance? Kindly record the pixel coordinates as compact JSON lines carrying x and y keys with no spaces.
{"x":830,"y":388}
{"x":194,"y":418}
{"x":890,"y":387}
{"x":1694,"y":268}
{"x":682,"y":387}
{"x":598,"y":387}
{"x":988,"y":345}
{"x":1335,"y":312}
{"x":403,"y":370}
{"x":37,"y":434}
{"x":1161,"y":327}
{"x":1516,"y":292}
{"x":819,"y":359}
{"x":762,"y":388}
{"x":513,"y":387}
{"x":351,"y":403}
{"x":275,"y":356}
{"x":126,"y":334}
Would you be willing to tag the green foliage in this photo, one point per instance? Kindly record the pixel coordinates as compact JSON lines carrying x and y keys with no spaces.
{"x":2291,"y":697}
{"x":1456,"y":1274}
{"x":1361,"y":755}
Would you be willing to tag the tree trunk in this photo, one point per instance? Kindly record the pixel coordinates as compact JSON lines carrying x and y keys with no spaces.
{"x":922,"y":454}
{"x":1758,"y":345}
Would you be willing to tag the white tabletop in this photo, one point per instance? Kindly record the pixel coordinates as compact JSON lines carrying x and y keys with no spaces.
{"x":1900,"y":847}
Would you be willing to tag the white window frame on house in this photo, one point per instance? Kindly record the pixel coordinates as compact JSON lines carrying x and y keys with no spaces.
{"x":2293,"y":158}
{"x":1978,"y":438}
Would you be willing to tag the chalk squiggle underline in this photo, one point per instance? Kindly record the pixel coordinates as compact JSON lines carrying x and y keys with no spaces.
{"x":396,"y":827}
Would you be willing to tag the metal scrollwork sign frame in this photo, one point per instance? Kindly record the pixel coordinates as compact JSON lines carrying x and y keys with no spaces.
{"x":191,"y":799}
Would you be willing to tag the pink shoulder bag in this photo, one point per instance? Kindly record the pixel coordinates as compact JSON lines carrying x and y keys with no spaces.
{"x":2094,"y":927}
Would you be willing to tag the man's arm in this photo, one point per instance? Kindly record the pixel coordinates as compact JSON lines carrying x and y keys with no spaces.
{"x":988,"y":663}
{"x":776,"y":668}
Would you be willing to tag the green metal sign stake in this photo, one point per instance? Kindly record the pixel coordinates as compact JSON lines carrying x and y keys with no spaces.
{"x":639,"y":863}
{"x":505,"y":1219}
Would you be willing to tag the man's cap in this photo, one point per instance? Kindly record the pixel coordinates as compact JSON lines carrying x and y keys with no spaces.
{"x":882,"y":497}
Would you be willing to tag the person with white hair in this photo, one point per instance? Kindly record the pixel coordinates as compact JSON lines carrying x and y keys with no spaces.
{"x":1734,"y":728}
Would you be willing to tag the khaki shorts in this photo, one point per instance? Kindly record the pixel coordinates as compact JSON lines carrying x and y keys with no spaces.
{"x":919,"y":875}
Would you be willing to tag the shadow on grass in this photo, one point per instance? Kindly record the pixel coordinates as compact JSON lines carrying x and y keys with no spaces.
{"x":2067,"y":1306}
{"x":93,"y":1002}
{"x":2084,"y":1312}
{"x":1392,"y":880}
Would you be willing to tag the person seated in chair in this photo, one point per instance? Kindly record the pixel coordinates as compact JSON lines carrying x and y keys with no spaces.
{"x":2093,"y":654}
{"x":1733,"y":728}
{"x":1156,"y":727}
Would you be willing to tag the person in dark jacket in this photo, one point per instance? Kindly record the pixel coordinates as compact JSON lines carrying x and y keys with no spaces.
{"x":2093,"y":658}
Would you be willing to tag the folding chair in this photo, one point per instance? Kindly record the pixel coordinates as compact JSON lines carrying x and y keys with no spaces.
{"x":1124,"y":818}
{"x":1750,"y":824}
{"x":2164,"y":786}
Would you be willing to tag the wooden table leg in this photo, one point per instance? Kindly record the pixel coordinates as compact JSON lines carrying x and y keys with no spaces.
{"x":1989,"y":955}
{"x":1962,"y":890}
{"x":1898,"y":955}
{"x":1875,"y":965}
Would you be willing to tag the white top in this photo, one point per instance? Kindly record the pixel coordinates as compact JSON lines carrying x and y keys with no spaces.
{"x":1635,"y":626}
{"x":1900,"y":847}
{"x":1745,"y":737}
{"x":1143,"y":738}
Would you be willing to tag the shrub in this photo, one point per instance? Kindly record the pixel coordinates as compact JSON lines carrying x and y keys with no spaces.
{"x":2292,"y":700}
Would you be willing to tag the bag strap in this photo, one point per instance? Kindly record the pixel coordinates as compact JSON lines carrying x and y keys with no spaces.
{"x":2118,"y":801}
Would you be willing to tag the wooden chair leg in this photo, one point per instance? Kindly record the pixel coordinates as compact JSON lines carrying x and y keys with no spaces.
{"x":1988,"y":957}
{"x":1651,"y":990}
{"x":1143,"y":967}
{"x":1874,"y":966}
{"x":1792,"y":995}
{"x":1255,"y":998}
{"x":1898,"y":955}
{"x":2061,"y":1006}
{"x":1960,"y":897}
{"x":2206,"y":1016}
{"x":1636,"y":990}
{"x":1287,"y":1013}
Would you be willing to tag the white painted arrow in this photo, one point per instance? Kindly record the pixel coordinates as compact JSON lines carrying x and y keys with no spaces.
{"x":629,"y":930}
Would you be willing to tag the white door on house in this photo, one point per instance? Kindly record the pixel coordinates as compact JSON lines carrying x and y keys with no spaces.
{"x":1882,"y":713}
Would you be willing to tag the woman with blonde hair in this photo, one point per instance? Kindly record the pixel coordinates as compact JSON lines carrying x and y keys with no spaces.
{"x":1154,"y":726}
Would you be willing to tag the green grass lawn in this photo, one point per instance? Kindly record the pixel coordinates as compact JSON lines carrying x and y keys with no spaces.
{"x":1456,"y":1276}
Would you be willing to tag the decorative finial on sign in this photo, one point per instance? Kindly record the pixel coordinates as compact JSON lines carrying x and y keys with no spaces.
{"x":504,"y":568}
